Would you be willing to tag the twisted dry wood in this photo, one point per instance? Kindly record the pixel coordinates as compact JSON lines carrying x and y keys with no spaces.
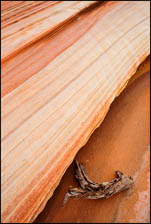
{"x":91,"y":190}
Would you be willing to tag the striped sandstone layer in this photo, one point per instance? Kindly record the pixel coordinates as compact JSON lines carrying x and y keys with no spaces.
{"x":30,"y":20}
{"x":50,"y":116}
{"x":36,"y":56}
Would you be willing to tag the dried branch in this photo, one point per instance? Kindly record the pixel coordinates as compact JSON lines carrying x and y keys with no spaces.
{"x":91,"y":190}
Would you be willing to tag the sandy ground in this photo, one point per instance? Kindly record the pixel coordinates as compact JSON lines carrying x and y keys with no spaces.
{"x":122,"y":142}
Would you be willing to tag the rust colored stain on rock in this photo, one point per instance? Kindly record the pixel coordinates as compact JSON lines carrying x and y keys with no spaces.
{"x":120,"y":143}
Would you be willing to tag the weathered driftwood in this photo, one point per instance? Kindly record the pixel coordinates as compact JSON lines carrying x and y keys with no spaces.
{"x":48,"y":118}
{"x":91,"y":190}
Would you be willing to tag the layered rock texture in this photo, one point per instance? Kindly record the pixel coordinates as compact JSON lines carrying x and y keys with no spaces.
{"x":63,"y":64}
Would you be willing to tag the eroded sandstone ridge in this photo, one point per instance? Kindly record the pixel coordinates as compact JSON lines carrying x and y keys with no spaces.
{"x":57,"y":89}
